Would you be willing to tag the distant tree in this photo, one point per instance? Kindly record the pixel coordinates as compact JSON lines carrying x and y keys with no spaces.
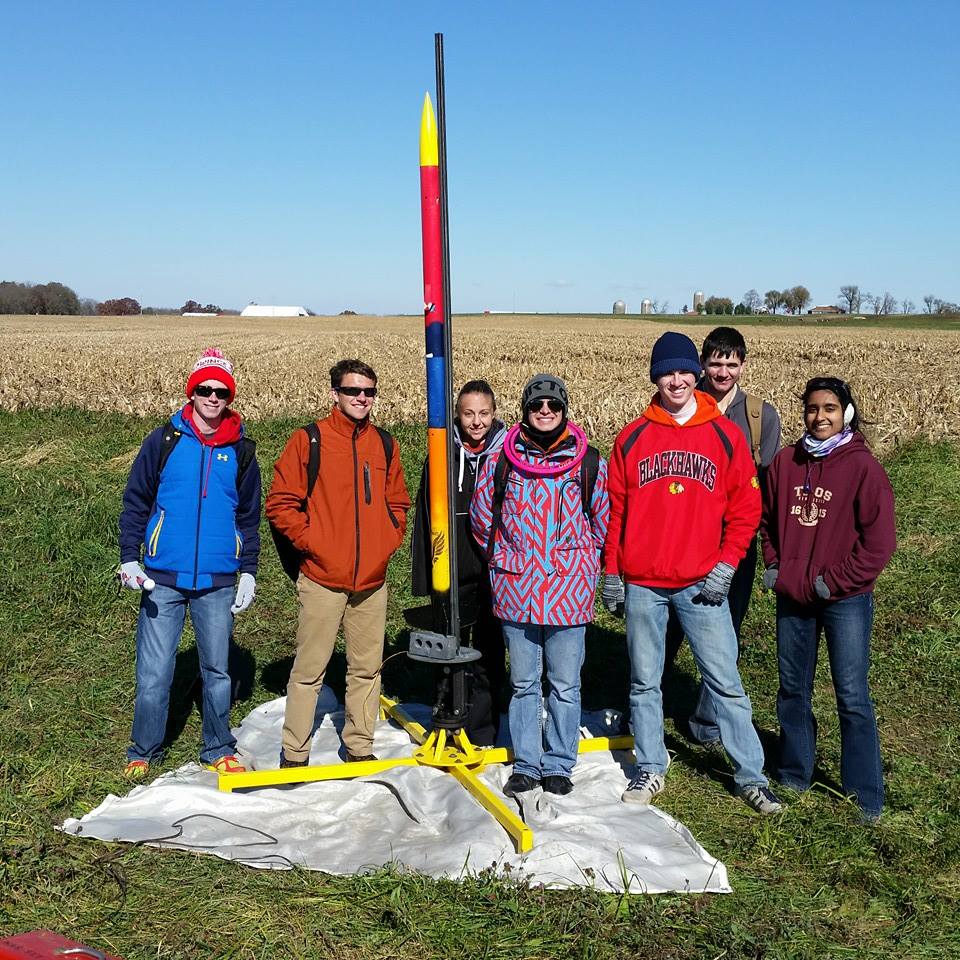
{"x":88,"y":307}
{"x":881,"y":304}
{"x":908,"y":306}
{"x":191,"y":306}
{"x":718,"y":305}
{"x":685,"y":308}
{"x":945,"y":308}
{"x":123,"y":307}
{"x":740,"y":309}
{"x":850,"y":296}
{"x":751,"y":301}
{"x":932,"y":303}
{"x":795,"y":299}
{"x":44,"y":298}
{"x":659,"y":306}
{"x":772,"y":299}
{"x":348,"y":313}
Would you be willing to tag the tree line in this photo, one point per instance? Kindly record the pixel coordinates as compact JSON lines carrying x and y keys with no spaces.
{"x":849,"y":300}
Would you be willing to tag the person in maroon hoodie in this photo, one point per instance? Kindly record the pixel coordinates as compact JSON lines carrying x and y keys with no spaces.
{"x":828,"y":530}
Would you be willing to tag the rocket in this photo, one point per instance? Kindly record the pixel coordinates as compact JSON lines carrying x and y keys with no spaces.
{"x":435,"y":331}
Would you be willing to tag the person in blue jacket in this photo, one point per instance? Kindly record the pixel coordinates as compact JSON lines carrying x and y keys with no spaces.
{"x":192,"y":501}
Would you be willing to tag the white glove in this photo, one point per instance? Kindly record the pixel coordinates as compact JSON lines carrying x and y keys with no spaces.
{"x":246,"y":591}
{"x":132,"y":576}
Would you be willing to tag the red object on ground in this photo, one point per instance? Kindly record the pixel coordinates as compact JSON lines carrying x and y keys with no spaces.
{"x":46,"y":945}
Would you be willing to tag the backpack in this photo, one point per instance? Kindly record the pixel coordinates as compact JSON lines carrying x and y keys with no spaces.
{"x":290,"y":556}
{"x":246,"y":450}
{"x":589,"y":468}
{"x":755,"y":425}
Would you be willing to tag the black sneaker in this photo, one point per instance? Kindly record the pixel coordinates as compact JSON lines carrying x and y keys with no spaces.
{"x":559,"y":785}
{"x":284,"y":762}
{"x":519,"y":783}
{"x":359,"y":757}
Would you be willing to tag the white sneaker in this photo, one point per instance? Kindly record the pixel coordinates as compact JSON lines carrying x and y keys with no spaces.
{"x":643,"y":787}
{"x":760,"y":798}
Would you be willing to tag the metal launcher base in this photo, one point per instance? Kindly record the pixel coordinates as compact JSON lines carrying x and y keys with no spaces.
{"x":446,"y":747}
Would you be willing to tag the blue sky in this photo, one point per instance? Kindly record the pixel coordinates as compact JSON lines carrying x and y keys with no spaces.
{"x":230,"y":152}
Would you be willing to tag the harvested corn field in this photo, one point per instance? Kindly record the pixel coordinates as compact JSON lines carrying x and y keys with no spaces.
{"x":138,"y":365}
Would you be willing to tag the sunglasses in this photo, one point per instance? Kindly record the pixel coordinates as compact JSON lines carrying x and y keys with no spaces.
{"x":555,"y":406}
{"x":370,"y":392}
{"x":205,"y":390}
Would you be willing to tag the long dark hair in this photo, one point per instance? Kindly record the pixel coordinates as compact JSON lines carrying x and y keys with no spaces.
{"x":840,"y":389}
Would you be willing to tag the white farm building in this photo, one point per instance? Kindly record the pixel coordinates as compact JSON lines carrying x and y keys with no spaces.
{"x":265,"y":310}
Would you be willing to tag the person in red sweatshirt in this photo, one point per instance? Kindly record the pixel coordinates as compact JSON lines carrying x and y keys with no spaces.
{"x":684,"y":506}
{"x":828,"y":530}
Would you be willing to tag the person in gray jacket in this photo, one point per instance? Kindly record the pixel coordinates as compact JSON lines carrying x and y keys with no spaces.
{"x":724,"y":358}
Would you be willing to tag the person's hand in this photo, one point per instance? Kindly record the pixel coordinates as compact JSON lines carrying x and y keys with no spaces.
{"x":821,"y":589}
{"x":612,"y":594}
{"x":716,"y":586}
{"x":246,"y":591}
{"x":133,"y":577}
{"x":770,"y":576}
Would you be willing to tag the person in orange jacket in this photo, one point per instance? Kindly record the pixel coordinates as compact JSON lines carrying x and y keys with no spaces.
{"x":346,"y":532}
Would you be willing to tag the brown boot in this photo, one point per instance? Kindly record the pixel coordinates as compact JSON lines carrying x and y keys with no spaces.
{"x":358,"y":758}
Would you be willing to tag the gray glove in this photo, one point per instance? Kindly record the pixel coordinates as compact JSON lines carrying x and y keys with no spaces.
{"x":246,"y":591}
{"x":613,"y":595}
{"x":714,"y":590}
{"x":821,"y":589}
{"x":770,"y":576}
{"x":132,"y":576}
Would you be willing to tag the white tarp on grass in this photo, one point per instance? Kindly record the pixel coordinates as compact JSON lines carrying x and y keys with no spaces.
{"x":412,"y":817}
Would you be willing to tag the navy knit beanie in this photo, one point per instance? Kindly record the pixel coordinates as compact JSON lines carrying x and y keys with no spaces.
{"x":674,"y":351}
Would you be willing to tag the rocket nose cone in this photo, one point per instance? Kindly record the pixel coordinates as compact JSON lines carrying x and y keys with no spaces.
{"x":429,"y":151}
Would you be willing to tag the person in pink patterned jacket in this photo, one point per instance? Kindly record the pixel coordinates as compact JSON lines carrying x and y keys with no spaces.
{"x":540,"y":510}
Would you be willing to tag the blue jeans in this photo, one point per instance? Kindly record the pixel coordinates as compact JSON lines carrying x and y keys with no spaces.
{"x":846,"y":624}
{"x":544,"y":750}
{"x":713,"y":643}
{"x":162,"y":613}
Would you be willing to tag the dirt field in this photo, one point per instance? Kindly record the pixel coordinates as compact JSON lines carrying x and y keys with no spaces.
{"x":902,"y":378}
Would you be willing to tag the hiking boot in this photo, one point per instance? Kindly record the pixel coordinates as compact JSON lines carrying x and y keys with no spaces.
{"x":284,"y":762}
{"x":519,"y":783}
{"x":136,"y":770}
{"x":643,"y":787}
{"x":228,"y":764}
{"x":359,"y":758}
{"x":760,"y":798}
{"x":559,"y":785}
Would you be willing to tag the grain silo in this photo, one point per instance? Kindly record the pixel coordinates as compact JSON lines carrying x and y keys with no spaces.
{"x":698,"y":300}
{"x":619,"y":307}
{"x":646,"y":306}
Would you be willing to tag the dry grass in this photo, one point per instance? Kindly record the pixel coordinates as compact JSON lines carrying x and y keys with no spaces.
{"x":138,"y":365}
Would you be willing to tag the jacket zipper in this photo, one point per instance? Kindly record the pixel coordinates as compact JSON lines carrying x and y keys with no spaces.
{"x":356,"y":504}
{"x":366,"y":484}
{"x":155,"y":536}
{"x":196,"y":544}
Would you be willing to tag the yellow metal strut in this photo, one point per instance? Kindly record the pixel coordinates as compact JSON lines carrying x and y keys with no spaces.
{"x":452,"y":753}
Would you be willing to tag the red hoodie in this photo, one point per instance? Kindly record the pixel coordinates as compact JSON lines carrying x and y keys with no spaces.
{"x":828,"y":516}
{"x":682,"y":497}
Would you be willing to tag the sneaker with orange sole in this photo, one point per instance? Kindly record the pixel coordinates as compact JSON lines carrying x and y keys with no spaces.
{"x":228,"y":764}
{"x":136,"y":769}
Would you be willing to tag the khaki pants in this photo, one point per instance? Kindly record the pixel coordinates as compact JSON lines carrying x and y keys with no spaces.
{"x":364,"y":617}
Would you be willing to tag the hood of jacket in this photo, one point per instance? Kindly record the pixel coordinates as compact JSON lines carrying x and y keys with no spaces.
{"x":229,"y":431}
{"x":706,"y":411}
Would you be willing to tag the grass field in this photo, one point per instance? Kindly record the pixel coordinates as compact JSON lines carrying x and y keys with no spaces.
{"x":810,"y":883}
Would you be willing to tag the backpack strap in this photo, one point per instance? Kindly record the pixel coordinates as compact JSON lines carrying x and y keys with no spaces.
{"x":589,"y":468}
{"x":501,"y":472}
{"x":168,"y":440}
{"x":387,"y":442}
{"x":246,"y":451}
{"x":313,"y":458}
{"x":724,"y":439}
{"x":755,"y":425}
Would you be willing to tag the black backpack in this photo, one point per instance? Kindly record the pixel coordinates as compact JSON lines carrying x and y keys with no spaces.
{"x":589,"y":468}
{"x":290,"y":556}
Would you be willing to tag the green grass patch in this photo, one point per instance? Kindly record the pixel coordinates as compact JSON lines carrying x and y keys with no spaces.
{"x":812,"y":883}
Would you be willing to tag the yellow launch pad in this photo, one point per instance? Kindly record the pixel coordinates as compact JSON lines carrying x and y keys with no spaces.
{"x":451,"y":752}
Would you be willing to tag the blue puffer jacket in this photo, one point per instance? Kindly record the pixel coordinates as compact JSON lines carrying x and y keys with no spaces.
{"x":198,"y":523}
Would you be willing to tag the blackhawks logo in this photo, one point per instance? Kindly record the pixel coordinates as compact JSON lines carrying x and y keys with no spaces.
{"x":755,"y":483}
{"x":675,"y":487}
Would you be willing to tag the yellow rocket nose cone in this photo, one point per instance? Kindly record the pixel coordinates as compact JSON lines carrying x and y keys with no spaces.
{"x":429,"y":152}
